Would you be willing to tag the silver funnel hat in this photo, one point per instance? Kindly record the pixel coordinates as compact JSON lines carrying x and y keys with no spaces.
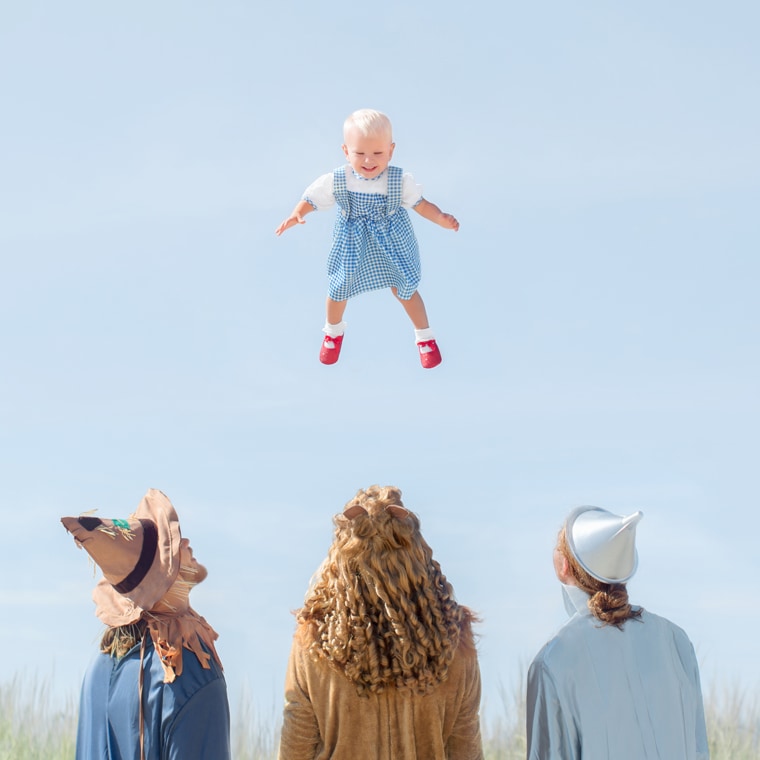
{"x":603,"y":543}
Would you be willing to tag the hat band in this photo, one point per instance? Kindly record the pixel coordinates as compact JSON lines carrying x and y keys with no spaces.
{"x":147,"y":554}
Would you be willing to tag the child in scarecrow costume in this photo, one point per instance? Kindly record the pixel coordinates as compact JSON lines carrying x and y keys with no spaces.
{"x":156,"y":689}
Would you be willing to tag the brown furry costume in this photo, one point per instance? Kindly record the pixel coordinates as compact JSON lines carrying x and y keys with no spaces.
{"x":383,"y":663}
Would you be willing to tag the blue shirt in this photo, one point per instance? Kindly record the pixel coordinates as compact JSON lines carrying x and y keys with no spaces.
{"x":188,"y":719}
{"x":600,"y":693}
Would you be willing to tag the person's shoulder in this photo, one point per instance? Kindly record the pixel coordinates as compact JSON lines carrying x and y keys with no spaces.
{"x":655,"y":620}
{"x":301,"y":650}
{"x":324,"y":179}
{"x":101,"y":667}
{"x":548,"y":659}
{"x":466,"y":653}
{"x":665,"y":625}
{"x":572,"y":636}
{"x":194,"y":676}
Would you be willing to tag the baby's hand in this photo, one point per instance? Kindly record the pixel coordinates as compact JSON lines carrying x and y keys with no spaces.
{"x":447,"y":221}
{"x":291,"y":221}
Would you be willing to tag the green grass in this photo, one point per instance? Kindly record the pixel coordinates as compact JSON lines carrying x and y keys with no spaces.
{"x":504,"y":735}
{"x":33,"y":728}
{"x":733,"y":724}
{"x":254,"y":735}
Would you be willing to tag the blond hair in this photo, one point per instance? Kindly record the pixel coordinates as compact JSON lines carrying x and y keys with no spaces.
{"x":608,"y":602}
{"x":369,"y":123}
{"x":379,"y":609}
{"x":117,"y":641}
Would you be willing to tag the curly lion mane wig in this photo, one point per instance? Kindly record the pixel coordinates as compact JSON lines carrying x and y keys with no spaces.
{"x":379,"y":609}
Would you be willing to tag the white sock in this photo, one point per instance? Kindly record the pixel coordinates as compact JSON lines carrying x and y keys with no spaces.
{"x":334,"y":331}
{"x":422,"y":335}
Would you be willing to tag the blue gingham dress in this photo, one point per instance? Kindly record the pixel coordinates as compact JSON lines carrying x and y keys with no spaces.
{"x":373,"y":241}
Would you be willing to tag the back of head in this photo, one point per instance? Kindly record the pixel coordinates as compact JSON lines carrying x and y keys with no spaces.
{"x":139,"y":556}
{"x":608,"y":602}
{"x":369,"y":123}
{"x":379,"y":609}
{"x":145,"y":586}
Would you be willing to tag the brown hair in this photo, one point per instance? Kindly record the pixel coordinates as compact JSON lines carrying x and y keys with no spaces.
{"x":608,"y":601}
{"x":379,"y":609}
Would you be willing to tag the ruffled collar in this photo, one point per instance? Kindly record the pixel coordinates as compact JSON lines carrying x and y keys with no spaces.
{"x":172,"y":633}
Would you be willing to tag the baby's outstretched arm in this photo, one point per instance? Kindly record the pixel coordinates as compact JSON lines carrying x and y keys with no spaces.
{"x":296,"y":217}
{"x":431,"y":212}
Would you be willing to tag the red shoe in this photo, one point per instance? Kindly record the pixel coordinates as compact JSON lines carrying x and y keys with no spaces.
{"x":330,"y":350}
{"x":430,"y":356}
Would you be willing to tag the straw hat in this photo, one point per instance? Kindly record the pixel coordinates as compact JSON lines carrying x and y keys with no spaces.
{"x":139,"y":557}
{"x":603,"y":543}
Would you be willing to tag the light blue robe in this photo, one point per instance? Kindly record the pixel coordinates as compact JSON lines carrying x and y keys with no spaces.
{"x":598,"y":693}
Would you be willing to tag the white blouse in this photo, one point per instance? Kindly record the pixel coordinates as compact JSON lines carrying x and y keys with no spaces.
{"x":320,"y":192}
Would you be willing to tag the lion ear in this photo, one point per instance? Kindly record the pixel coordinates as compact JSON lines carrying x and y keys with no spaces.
{"x":400,"y":513}
{"x":354,"y":511}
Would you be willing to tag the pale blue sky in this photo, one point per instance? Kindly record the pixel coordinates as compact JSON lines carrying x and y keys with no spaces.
{"x":597,"y":311}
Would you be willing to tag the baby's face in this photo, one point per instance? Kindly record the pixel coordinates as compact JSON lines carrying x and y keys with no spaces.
{"x":369,"y":156}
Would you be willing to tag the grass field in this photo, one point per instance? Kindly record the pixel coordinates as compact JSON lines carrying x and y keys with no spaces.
{"x":33,"y":728}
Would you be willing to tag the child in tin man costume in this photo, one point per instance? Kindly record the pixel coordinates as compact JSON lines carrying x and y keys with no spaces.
{"x":156,"y":689}
{"x":374,"y":245}
{"x":616,"y":682}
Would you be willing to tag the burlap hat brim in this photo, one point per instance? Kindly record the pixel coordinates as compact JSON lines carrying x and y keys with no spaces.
{"x":112,"y":608}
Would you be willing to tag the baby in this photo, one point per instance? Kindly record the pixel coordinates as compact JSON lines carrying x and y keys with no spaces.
{"x":373,"y":241}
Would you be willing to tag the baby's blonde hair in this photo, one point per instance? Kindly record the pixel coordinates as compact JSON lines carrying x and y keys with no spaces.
{"x":380,"y":610}
{"x":370,"y":123}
